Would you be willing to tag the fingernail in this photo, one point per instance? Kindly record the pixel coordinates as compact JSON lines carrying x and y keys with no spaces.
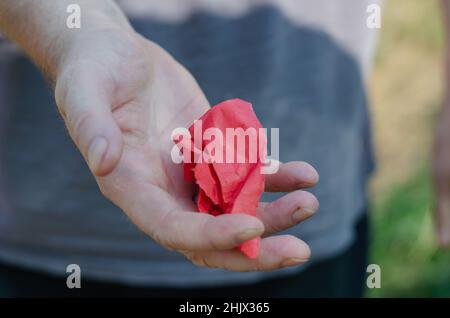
{"x":293,"y":261}
{"x":312,"y":175}
{"x":248,"y":234}
{"x":302,"y":214}
{"x":96,"y":151}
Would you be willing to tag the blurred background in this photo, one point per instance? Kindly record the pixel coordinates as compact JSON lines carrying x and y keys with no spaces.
{"x":406,"y":90}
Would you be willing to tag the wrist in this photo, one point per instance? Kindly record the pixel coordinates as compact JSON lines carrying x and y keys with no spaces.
{"x":93,"y":39}
{"x":39,"y":27}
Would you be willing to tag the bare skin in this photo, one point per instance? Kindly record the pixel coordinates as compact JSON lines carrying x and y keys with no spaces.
{"x":441,"y":155}
{"x":121,"y":96}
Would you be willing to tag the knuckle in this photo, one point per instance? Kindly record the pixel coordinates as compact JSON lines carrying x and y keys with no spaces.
{"x":254,"y":266}
{"x":78,"y":124}
{"x":166,"y":232}
{"x":157,"y":234}
{"x":275,"y":228}
{"x":104,"y":190}
{"x":215,"y":234}
{"x":60,"y":94}
{"x":113,"y":187}
{"x":257,"y":267}
{"x":61,"y":110}
{"x":198,"y":259}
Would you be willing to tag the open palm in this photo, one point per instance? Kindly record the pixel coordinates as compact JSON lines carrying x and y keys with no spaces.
{"x":121,"y":96}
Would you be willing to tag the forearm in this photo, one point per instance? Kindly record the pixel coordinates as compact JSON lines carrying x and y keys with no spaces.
{"x":446,"y":15}
{"x":445,"y":112}
{"x":441,"y":155}
{"x":39,"y":27}
{"x":446,"y":104}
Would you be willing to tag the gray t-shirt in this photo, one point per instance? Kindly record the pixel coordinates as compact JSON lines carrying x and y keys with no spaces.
{"x":301,"y":63}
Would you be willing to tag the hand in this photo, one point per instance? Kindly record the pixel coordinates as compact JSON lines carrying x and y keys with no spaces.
{"x":121,"y":96}
{"x":441,"y":172}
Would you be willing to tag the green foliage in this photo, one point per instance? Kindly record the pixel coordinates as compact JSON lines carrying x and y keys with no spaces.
{"x":404,"y":246}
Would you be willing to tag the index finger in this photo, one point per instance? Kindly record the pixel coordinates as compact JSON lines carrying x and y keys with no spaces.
{"x":159,"y":215}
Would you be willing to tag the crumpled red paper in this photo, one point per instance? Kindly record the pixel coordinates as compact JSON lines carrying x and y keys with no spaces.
{"x":228,"y":187}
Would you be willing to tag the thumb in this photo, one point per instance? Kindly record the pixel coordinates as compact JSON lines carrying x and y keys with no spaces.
{"x":86,"y":109}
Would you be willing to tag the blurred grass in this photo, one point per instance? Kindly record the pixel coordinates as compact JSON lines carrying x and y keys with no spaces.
{"x":404,"y":246}
{"x":406,"y":90}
